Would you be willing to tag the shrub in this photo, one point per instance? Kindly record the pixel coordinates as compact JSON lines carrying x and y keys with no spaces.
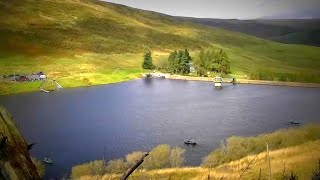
{"x":214,"y":158}
{"x":134,"y":156}
{"x":177,"y":157}
{"x":161,"y":156}
{"x":91,"y":168}
{"x":158,"y":157}
{"x":117,"y":166}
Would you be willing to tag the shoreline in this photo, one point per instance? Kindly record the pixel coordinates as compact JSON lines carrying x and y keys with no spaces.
{"x":67,"y":87}
{"x":194,"y":78}
{"x":248,"y":81}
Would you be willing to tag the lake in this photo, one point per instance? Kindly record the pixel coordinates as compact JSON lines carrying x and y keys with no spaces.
{"x":74,"y":126}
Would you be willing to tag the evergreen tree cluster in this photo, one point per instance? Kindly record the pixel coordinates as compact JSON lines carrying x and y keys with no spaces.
{"x":179,"y":62}
{"x":147,"y":61}
{"x":212,"y":60}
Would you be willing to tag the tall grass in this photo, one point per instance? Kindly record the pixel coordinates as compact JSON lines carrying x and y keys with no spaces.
{"x":291,"y":150}
{"x":265,"y":74}
{"x":237,"y":147}
{"x":302,"y":160}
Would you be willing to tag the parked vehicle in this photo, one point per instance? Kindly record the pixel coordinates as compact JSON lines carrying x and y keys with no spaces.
{"x":42,"y":77}
{"x":23,"y":78}
{"x":33,"y":77}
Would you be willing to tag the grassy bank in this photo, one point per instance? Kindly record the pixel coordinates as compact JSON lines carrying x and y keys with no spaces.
{"x":248,"y":81}
{"x":237,"y":147}
{"x":291,"y":150}
{"x":94,"y":69}
{"x":278,"y":83}
{"x":71,"y":71}
{"x":302,"y":160}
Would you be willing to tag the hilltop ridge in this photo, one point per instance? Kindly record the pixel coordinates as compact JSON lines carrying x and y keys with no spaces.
{"x":291,"y":31}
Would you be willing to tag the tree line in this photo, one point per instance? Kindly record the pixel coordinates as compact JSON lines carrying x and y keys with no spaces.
{"x":212,"y":60}
{"x":180,"y":62}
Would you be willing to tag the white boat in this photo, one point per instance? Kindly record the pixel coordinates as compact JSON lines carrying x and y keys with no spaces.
{"x":43,"y":90}
{"x":217,"y":84}
{"x":47,"y":160}
{"x":218,"y":81}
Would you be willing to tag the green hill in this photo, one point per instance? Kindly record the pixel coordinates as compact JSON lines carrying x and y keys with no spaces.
{"x":291,"y":31}
{"x":88,"y":42}
{"x":30,"y":26}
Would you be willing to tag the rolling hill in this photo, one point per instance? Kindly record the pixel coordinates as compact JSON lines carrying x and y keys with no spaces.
{"x":291,"y":31}
{"x":31,"y":26}
{"x":89,"y":42}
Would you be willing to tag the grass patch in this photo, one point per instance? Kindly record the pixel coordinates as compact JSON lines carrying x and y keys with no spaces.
{"x":79,"y":70}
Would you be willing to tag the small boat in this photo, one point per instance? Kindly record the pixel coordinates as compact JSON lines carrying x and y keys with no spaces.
{"x":47,"y":160}
{"x":218,"y":82}
{"x":188,"y":142}
{"x":294,"y":122}
{"x":43,"y":90}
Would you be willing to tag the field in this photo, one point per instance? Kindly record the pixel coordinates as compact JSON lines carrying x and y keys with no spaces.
{"x":88,"y":42}
{"x":82,"y":70}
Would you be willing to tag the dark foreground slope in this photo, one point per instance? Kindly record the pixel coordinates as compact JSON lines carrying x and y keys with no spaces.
{"x":15,"y":162}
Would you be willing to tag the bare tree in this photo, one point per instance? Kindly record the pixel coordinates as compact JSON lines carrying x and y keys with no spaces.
{"x":177,"y":157}
{"x":248,"y":166}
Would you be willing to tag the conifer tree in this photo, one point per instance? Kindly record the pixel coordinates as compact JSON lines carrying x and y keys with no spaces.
{"x":147,"y":61}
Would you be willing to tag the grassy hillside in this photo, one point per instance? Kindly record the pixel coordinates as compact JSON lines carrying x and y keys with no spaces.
{"x":88,"y":42}
{"x":302,"y":160}
{"x":292,"y":31}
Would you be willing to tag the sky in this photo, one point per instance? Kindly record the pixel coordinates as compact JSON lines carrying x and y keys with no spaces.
{"x":230,"y":9}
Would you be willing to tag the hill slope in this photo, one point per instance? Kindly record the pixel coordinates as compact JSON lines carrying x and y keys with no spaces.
{"x":88,"y":42}
{"x":291,"y":31}
{"x":93,"y":26}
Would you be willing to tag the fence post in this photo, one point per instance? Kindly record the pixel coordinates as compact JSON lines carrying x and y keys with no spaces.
{"x":269,"y":164}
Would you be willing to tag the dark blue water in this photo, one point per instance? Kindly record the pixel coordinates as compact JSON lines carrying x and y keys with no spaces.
{"x":78,"y":125}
